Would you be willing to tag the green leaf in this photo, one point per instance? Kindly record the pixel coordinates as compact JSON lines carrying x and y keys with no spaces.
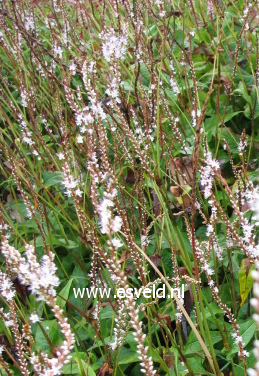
{"x":65,"y":293}
{"x":193,"y":345}
{"x":214,"y":121}
{"x":106,"y":313}
{"x":195,"y":364}
{"x":231,"y":138}
{"x":70,"y":245}
{"x":51,"y":178}
{"x":128,"y":356}
{"x":145,"y":75}
{"x":215,"y":309}
{"x":247,"y":331}
{"x":243,"y":91}
{"x":127,"y":86}
{"x":78,"y":365}
{"x":52,"y":240}
{"x":245,"y":281}
{"x":53,"y":332}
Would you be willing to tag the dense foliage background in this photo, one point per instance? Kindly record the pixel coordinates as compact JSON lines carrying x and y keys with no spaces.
{"x":129,"y":143}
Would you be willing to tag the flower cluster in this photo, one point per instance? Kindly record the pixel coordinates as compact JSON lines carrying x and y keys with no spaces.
{"x":42,"y":281}
{"x":58,"y":52}
{"x":215,"y":292}
{"x":242,"y":145}
{"x":39,"y":276}
{"x":69,"y":182}
{"x":255,"y":304}
{"x":247,"y":9}
{"x":207,"y":174}
{"x":146,"y":361}
{"x":6,"y":287}
{"x":113,"y":46}
{"x":195,"y":115}
{"x":24,"y":98}
{"x":120,"y":280}
{"x":210,"y":8}
{"x":238,"y":340}
{"x":6,"y":317}
{"x":173,"y":82}
{"x":72,"y":68}
{"x":25,"y":132}
{"x":83,"y":119}
{"x":109,"y":223}
{"x":119,"y":330}
{"x":251,"y":196}
{"x":29,"y":23}
{"x":113,"y":90}
{"x":117,"y":243}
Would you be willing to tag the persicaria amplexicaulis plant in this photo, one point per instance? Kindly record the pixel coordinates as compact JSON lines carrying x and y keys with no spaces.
{"x":128,"y":150}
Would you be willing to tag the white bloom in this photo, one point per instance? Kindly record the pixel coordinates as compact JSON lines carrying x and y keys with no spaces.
{"x":179,"y":316}
{"x":218,"y":250}
{"x":247,"y":230}
{"x":6,"y":287}
{"x":207,"y":269}
{"x":113,"y":91}
{"x":210,"y":8}
{"x":72,"y":69}
{"x":61,"y":156}
{"x":83,"y":129}
{"x":34,"y":318}
{"x":98,"y":110}
{"x":245,"y":353}
{"x":162,"y":13}
{"x":57,"y":51}
{"x":29,"y":23}
{"x":238,"y":340}
{"x":88,"y":118}
{"x":27,"y":139}
{"x":79,"y":139}
{"x":117,"y":223}
{"x":9,"y":323}
{"x":144,"y":241}
{"x":40,"y":276}
{"x":78,"y":192}
{"x":105,"y":215}
{"x":256,"y":210}
{"x":209,"y":229}
{"x":174,"y":86}
{"x":241,"y":146}
{"x":113,"y":46}
{"x":207,"y":174}
{"x":69,"y":181}
{"x":117,"y":243}
{"x":24,"y":99}
{"x":194,"y":122}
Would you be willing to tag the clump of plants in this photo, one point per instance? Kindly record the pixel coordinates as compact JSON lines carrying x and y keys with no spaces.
{"x":129,"y":145}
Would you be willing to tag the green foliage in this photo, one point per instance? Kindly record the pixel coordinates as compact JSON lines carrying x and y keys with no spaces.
{"x":148,"y":146}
